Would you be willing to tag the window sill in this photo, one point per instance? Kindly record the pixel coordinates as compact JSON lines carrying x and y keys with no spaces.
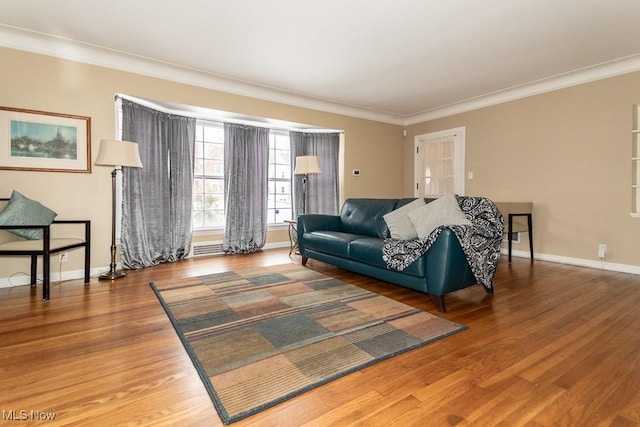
{"x":278,"y":227}
{"x":220,"y":230}
{"x":207,"y":231}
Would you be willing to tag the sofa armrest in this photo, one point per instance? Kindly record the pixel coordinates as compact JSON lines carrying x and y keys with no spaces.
{"x":309,"y":223}
{"x":447,"y":265}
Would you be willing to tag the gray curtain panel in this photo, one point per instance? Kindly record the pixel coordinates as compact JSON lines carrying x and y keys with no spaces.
{"x":246,"y":160}
{"x":322,"y":188}
{"x":157,"y":199}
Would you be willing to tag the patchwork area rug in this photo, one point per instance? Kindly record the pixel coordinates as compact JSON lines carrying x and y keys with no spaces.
{"x":258,"y":337}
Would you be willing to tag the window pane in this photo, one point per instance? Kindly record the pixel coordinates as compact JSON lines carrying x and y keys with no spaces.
{"x":283,"y":203}
{"x":279,"y":186}
{"x":197,"y":186}
{"x":283,"y":189}
{"x":214,"y":202}
{"x":214,"y":167}
{"x":214,"y":151}
{"x":213,"y":133}
{"x":199,"y":150}
{"x":213,"y":219}
{"x":283,"y":172}
{"x":282,"y":142}
{"x":208,"y":183}
{"x":282,"y":157}
{"x":284,"y":214}
{"x":198,"y":167}
{"x":198,"y":202}
{"x":198,"y":219}
{"x":213,"y":186}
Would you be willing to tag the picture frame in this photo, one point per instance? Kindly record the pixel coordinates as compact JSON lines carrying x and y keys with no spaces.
{"x":32,"y":140}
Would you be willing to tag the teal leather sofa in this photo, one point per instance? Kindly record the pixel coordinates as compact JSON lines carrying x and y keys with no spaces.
{"x":353,"y":240}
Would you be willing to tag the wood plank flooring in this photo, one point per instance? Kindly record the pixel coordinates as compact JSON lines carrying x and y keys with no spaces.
{"x":555,"y":346}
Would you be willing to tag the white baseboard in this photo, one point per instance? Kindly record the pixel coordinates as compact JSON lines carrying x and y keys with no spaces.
{"x":6,"y":282}
{"x":24,"y":278}
{"x":600,"y":265}
{"x":276,"y":245}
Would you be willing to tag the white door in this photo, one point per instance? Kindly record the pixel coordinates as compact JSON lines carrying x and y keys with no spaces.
{"x":439,"y":163}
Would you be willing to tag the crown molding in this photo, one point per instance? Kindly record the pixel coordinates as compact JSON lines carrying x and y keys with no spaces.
{"x":561,"y":81}
{"x":59,"y":47}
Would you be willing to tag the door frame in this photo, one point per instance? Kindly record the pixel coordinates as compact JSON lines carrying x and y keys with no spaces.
{"x":459,"y":135}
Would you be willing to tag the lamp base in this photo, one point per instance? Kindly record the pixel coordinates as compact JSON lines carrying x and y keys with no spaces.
{"x":112,"y":275}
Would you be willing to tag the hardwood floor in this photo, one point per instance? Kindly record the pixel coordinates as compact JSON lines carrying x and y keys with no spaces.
{"x":555,"y":345}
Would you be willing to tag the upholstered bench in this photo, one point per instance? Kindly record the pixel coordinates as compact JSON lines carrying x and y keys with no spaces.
{"x":36,"y":239}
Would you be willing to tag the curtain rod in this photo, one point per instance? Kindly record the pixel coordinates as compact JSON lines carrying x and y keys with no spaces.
{"x":248,"y":121}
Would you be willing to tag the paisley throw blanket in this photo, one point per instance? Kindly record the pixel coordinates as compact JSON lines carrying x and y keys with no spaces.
{"x":480,"y":241}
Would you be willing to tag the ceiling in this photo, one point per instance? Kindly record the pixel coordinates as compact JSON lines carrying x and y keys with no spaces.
{"x":398,"y":61}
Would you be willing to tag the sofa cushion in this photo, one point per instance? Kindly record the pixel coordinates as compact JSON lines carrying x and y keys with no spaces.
{"x":365,"y":216}
{"x":367,"y":250}
{"x":330,"y":242}
{"x":443,"y":211}
{"x":400,"y":226}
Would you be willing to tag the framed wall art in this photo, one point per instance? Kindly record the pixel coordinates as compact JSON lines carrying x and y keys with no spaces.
{"x":43,"y":141}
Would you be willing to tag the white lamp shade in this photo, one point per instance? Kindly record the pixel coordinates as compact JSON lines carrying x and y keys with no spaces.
{"x":306,"y":165}
{"x":118,"y":153}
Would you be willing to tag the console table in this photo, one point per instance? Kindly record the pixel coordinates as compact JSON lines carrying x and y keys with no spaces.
{"x":515,"y":214}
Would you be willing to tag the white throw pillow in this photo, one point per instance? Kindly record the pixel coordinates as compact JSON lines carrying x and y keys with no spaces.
{"x":398,"y":221}
{"x":442,"y":211}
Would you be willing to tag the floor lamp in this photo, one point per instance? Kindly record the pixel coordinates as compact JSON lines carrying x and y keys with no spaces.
{"x":118,"y":154}
{"x":306,"y":165}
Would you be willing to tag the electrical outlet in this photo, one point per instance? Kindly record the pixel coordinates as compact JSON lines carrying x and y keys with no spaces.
{"x":64,"y":257}
{"x":602,"y":250}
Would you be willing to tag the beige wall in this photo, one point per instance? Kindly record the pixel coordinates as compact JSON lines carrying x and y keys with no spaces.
{"x":568,"y":152}
{"x":45,"y":83}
